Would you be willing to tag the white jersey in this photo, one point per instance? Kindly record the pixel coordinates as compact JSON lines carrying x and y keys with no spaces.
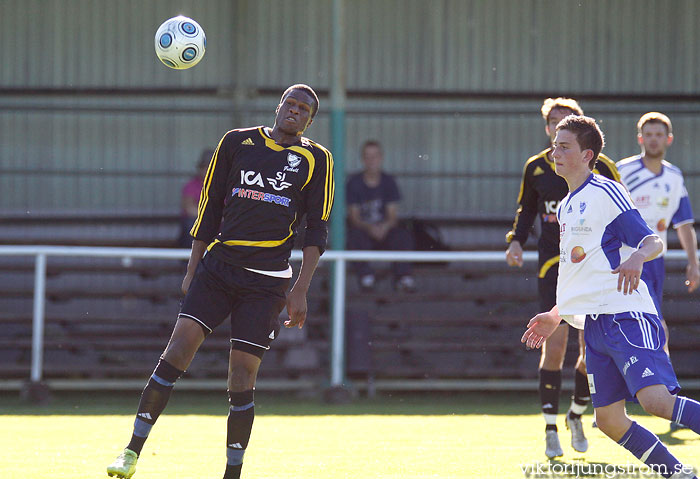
{"x":661,"y":199}
{"x":599,"y":228}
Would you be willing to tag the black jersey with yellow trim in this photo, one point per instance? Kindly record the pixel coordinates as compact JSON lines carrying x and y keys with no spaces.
{"x":256,"y":192}
{"x":541,"y":190}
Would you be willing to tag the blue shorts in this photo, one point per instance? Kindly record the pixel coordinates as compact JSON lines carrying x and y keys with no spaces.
{"x":653,"y":274}
{"x":624,"y":353}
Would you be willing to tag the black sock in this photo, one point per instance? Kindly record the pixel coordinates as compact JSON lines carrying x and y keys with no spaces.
{"x":550,"y":384}
{"x":240,"y":422}
{"x":153,"y":400}
{"x":233,"y":472}
{"x":582,"y":395}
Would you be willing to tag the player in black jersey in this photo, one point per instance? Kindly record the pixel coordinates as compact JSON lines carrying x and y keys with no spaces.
{"x":540,"y":192}
{"x":260,"y":183}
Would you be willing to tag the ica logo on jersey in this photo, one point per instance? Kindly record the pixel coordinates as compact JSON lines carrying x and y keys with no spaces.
{"x":252,"y":178}
{"x":551,"y":206}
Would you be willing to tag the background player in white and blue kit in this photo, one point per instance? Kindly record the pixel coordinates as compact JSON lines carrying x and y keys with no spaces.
{"x":658,"y":190}
{"x":603,"y":244}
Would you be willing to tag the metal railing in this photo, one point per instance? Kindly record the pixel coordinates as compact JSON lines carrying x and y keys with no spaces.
{"x":339,"y":258}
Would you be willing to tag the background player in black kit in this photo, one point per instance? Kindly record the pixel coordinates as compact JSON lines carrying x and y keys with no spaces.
{"x":259,"y":184}
{"x":540,"y":192}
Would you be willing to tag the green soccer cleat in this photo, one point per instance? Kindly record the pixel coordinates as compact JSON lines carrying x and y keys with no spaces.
{"x":123,"y":466}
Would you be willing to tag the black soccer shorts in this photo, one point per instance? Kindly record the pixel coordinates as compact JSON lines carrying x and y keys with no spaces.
{"x":253,"y":300}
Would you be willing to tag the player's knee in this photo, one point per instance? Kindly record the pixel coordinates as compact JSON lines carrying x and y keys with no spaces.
{"x":656,"y":405}
{"x":241,"y":377}
{"x":612,"y":426}
{"x":179,"y":355}
{"x":553,"y":355}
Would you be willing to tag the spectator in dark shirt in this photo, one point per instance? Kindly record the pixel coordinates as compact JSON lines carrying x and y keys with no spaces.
{"x":373,"y":204}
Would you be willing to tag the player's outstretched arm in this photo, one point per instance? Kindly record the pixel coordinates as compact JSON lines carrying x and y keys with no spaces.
{"x":540,"y":328}
{"x":296,"y":299}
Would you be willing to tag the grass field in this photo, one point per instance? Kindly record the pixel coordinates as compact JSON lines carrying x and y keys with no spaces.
{"x":442,"y":436}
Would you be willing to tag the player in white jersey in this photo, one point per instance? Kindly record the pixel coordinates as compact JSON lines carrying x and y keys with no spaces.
{"x":658,"y":190}
{"x":603,"y":244}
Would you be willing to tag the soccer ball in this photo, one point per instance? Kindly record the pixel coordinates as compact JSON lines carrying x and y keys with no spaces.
{"x":180,"y":43}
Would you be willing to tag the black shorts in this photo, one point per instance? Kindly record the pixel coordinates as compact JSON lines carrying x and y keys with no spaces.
{"x":253,"y":300}
{"x":547,"y":288}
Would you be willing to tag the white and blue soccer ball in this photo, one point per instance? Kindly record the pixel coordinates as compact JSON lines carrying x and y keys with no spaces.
{"x":180,"y":43}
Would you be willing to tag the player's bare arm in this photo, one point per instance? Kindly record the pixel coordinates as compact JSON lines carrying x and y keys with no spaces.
{"x":296,"y":299}
{"x":541,"y":327}
{"x":631,"y":270}
{"x":689,"y":243}
{"x":198,"y":249}
{"x":514,"y":254}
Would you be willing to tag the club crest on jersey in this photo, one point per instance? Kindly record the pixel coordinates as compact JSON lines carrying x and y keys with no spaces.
{"x":581,"y":207}
{"x":293,"y":160}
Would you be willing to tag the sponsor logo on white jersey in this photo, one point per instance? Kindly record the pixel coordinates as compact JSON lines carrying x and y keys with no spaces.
{"x":642,"y":201}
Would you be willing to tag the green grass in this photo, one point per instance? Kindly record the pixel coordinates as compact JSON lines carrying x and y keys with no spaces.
{"x":443,"y":436}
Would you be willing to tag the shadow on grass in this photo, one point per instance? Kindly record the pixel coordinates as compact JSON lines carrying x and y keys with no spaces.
{"x":670,"y":438}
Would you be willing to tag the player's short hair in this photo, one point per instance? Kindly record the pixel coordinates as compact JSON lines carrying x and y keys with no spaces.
{"x":369,"y":143}
{"x":308,"y":90}
{"x":560,"y":102}
{"x":654,"y":117}
{"x":588,"y":134}
{"x":205,"y":158}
